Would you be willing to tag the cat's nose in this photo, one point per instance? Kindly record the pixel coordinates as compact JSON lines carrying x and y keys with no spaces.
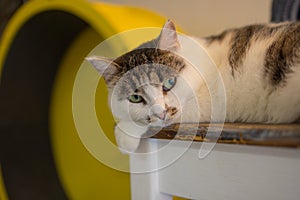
{"x":161,"y":115}
{"x":158,"y":111}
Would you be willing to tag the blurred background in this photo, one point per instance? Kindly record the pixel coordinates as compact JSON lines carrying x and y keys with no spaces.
{"x":203,"y":17}
{"x":199,"y":17}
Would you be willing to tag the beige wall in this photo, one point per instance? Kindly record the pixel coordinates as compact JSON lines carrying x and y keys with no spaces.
{"x":204,"y":17}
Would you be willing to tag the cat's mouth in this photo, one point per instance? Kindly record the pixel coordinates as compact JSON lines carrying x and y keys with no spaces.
{"x":168,"y":120}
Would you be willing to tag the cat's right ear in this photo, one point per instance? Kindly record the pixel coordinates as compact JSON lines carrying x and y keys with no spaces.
{"x":106,"y":67}
{"x":168,"y":38}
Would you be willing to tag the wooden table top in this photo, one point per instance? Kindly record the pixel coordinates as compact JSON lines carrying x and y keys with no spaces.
{"x":281,"y":135}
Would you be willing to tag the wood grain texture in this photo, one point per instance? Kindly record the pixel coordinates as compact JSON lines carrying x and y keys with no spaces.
{"x":282,"y":135}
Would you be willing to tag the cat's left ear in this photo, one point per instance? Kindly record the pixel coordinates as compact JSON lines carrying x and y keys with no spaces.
{"x":105,"y":66}
{"x":168,"y":38}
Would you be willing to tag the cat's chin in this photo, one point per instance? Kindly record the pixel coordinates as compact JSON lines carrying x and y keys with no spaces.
{"x":162,"y":123}
{"x":158,"y":123}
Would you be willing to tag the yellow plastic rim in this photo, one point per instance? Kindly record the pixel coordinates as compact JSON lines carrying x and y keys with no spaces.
{"x":3,"y":195}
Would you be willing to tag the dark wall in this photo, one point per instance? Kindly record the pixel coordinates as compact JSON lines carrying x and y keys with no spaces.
{"x":7,"y":9}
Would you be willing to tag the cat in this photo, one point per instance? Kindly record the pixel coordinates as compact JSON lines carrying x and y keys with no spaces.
{"x":152,"y":85}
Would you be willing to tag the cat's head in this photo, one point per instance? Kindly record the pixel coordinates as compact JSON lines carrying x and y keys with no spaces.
{"x":144,"y":83}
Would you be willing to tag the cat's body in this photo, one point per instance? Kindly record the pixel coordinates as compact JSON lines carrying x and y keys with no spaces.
{"x":259,"y":66}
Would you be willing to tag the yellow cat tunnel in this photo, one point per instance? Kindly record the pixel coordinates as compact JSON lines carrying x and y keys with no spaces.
{"x":41,"y":50}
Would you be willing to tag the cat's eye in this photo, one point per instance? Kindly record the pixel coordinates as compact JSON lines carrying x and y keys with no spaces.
{"x":135,"y":98}
{"x":169,"y":84}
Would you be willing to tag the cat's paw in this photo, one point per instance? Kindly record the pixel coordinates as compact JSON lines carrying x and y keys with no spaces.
{"x":128,"y":136}
{"x":126,"y":143}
